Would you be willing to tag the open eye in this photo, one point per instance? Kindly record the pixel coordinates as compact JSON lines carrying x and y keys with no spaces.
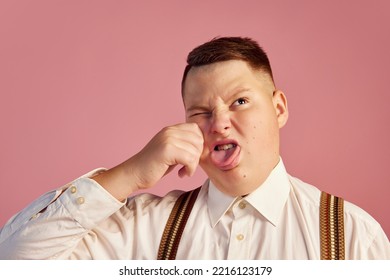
{"x":240,"y":101}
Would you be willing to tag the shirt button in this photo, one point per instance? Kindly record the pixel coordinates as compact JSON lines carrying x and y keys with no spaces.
{"x":242,"y":205}
{"x":240,"y":237}
{"x":73,"y":189}
{"x":80,"y":200}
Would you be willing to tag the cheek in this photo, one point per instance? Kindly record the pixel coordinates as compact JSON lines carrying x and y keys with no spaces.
{"x":205,"y":151}
{"x":203,"y":125}
{"x":256,"y":138}
{"x":201,"y":122}
{"x":262,"y":135}
{"x":204,"y":128}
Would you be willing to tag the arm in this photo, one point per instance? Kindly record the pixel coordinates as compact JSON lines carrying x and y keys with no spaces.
{"x":54,"y":224}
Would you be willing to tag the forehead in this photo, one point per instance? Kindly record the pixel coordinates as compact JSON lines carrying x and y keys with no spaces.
{"x":221,"y":78}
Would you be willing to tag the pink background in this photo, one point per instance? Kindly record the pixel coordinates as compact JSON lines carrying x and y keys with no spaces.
{"x":86,"y":84}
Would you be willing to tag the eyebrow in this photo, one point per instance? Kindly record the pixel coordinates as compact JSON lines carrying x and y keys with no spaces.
{"x":238,"y":91}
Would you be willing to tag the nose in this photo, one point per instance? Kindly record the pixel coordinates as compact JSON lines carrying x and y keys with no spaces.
{"x":220,"y":123}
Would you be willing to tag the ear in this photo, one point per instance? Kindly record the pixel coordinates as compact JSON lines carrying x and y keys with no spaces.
{"x":280,"y":104}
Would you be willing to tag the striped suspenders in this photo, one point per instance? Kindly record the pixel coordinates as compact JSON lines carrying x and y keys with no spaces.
{"x":176,"y":222}
{"x":331,"y":226}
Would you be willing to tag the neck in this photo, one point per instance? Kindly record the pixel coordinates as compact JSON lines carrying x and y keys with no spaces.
{"x":239,"y":183}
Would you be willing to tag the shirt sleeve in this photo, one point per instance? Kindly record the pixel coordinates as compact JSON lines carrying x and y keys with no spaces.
{"x":380,"y":247}
{"x":53,"y":225}
{"x":365,"y":238}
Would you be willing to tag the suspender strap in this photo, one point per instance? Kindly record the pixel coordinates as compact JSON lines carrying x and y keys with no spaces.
{"x":175,"y":225}
{"x":332,"y":227}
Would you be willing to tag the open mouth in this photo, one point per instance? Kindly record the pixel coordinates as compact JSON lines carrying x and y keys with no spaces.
{"x":224,"y":147}
{"x":226,"y":155}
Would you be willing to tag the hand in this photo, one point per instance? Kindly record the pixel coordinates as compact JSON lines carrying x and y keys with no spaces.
{"x":180,"y":144}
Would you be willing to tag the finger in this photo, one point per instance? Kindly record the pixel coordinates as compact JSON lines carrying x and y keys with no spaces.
{"x":183,"y":172}
{"x":181,"y":137}
{"x":188,"y":143}
{"x":170,"y":168}
{"x":186,"y":171}
{"x":189,"y":160}
{"x":191,"y":129}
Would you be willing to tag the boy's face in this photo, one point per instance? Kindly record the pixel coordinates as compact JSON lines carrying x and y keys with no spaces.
{"x":239,"y":113}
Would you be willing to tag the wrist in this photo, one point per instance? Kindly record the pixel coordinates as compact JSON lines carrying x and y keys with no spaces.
{"x":117,"y":181}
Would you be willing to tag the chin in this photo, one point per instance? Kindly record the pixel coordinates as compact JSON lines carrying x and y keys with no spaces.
{"x":238,"y":180}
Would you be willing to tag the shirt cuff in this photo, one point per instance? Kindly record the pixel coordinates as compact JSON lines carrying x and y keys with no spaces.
{"x":88,"y":202}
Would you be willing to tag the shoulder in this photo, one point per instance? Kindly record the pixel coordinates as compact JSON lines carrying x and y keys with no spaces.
{"x":153,"y":202}
{"x":360,"y":227}
{"x":310,"y":194}
{"x":364,"y":236}
{"x":306,"y":194}
{"x":150,"y":200}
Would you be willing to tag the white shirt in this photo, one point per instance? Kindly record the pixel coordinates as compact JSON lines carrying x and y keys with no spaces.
{"x":279,"y":220}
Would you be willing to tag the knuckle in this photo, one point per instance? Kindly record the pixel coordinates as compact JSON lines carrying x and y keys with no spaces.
{"x":193,"y":157}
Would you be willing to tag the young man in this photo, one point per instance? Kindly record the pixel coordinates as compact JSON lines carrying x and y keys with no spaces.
{"x":248,"y":208}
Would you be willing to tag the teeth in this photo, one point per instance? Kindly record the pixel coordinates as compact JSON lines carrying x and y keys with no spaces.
{"x":225,"y":147}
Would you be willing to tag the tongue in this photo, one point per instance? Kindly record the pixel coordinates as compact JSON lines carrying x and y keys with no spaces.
{"x":223,"y":158}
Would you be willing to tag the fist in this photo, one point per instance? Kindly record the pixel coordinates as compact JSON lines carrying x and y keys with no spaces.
{"x":180,"y":144}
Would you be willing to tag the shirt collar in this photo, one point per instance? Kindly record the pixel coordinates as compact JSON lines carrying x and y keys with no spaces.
{"x":268,"y":199}
{"x":218,"y":203}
